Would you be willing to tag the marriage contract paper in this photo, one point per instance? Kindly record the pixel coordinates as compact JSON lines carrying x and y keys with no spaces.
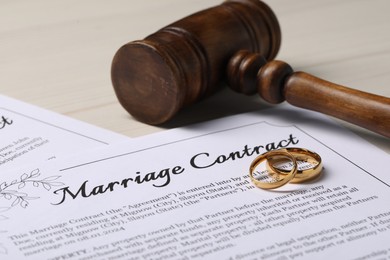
{"x":30,"y":134}
{"x":186,"y":194}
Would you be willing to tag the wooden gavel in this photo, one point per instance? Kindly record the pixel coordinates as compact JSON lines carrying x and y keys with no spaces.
{"x":190,"y":59}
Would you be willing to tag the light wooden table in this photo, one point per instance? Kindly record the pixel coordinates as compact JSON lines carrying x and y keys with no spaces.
{"x":57,"y":54}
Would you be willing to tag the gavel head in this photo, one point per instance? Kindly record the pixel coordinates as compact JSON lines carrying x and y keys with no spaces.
{"x":186,"y":61}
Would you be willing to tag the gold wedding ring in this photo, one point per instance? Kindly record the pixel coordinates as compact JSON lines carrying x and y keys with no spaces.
{"x":295,"y":165}
{"x":266,"y":179}
{"x":309,"y":164}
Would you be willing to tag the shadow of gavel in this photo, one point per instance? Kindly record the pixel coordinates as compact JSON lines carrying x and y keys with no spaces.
{"x":190,"y":59}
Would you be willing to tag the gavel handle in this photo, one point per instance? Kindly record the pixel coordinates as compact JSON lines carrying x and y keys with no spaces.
{"x":357,"y":107}
{"x":276,"y":82}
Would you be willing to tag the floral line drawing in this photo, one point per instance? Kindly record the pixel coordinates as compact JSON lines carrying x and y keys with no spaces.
{"x":12,"y":192}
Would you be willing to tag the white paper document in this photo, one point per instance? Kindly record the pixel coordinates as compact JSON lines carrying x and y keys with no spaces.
{"x":31,"y":134}
{"x":186,"y":194}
